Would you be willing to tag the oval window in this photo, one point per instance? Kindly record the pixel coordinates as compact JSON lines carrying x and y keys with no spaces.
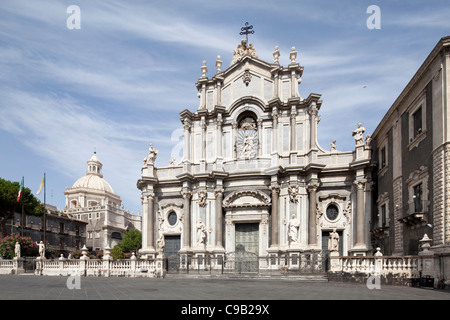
{"x":332,"y":212}
{"x":172,"y":218}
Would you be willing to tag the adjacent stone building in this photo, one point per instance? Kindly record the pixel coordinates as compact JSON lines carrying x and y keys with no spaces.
{"x":92,"y":199}
{"x":412,"y":151}
{"x":253,"y":176}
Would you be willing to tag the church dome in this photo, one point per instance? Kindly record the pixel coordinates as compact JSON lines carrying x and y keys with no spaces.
{"x":90,"y":181}
{"x":93,"y":178}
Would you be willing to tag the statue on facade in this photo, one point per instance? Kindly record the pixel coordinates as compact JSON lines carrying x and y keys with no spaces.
{"x":243,"y":49}
{"x":202,"y":198}
{"x":294,"y":226}
{"x":333,"y":241}
{"x":160,"y":244}
{"x":17,"y":250}
{"x":152,"y":153}
{"x":358,"y":134}
{"x":294,"y":192}
{"x":201,"y":233}
{"x":333,"y":145}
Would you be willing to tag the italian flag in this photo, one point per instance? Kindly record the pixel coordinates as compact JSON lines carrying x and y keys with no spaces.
{"x":20,"y":194}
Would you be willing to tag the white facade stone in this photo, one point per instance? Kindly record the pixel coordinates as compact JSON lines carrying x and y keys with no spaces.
{"x":246,"y":155}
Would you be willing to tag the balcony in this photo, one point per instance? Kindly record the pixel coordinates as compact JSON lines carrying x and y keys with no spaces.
{"x":415,"y":212}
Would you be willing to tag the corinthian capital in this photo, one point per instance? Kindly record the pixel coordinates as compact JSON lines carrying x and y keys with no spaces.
{"x":360,"y":183}
{"x":312,"y":186}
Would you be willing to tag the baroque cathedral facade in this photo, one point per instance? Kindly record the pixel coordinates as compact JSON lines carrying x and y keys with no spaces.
{"x":253,"y":176}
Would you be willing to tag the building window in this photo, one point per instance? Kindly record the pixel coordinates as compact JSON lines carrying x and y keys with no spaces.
{"x":417,"y":122}
{"x":383,"y":157}
{"x":172,"y":218}
{"x":61,"y":227}
{"x":332,"y":212}
{"x":383,"y":215}
{"x":417,"y":198}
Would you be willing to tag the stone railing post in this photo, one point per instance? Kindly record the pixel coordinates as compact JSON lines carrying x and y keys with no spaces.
{"x":105,"y":262}
{"x":83,"y":258}
{"x":61,"y":265}
{"x":378,"y":262}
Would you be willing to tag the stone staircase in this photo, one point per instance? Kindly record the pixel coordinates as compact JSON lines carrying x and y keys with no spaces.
{"x":319,"y":277}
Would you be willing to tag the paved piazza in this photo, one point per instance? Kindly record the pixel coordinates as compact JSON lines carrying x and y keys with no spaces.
{"x":30,"y":287}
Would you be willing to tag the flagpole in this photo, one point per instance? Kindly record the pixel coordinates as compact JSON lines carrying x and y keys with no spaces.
{"x":23,"y":200}
{"x":45,"y":211}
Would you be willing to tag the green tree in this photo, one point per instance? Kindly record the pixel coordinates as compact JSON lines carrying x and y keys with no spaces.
{"x":117,"y":253}
{"x":132,"y":241}
{"x":8,"y":203}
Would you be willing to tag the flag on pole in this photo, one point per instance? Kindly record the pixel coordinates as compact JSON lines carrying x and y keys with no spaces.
{"x":20,"y":194}
{"x":41,"y":186}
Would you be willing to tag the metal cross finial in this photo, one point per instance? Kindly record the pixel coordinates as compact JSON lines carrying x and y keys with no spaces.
{"x":247,"y":30}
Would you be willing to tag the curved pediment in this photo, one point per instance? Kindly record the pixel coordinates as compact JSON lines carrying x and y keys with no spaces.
{"x":247,"y":198}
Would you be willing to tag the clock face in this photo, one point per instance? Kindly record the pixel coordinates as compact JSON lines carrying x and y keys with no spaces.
{"x":247,"y":143}
{"x":332,"y":212}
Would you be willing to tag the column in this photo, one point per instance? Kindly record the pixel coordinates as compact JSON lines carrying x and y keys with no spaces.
{"x":219,"y":217}
{"x":259,"y":121}
{"x":187,"y":140}
{"x":274,"y":130}
{"x":293,"y":128}
{"x":360,"y":183}
{"x":187,"y":220}
{"x":219,"y":135}
{"x":275,"y":215}
{"x":312,"y":227}
{"x":203,"y":124}
{"x":313,"y":126}
{"x":148,"y":217}
{"x":233,"y":138}
{"x":151,"y":219}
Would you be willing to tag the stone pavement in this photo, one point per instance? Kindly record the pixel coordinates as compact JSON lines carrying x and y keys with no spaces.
{"x":190,"y":291}
{"x":33,"y":287}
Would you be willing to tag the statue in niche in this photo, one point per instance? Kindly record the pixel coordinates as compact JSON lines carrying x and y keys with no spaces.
{"x":333,"y":241}
{"x":294,"y":226}
{"x":247,"y":139}
{"x":201,"y":233}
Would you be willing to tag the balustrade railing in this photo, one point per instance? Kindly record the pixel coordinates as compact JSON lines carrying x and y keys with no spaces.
{"x":409,"y":266}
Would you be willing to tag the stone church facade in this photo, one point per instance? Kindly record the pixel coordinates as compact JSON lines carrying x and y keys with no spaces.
{"x":253,"y":176}
{"x":92,"y":199}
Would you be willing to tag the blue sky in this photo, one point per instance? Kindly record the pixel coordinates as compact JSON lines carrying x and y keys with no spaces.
{"x":120,"y":81}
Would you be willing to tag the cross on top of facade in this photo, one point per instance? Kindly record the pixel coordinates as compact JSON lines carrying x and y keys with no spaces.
{"x":247,"y":30}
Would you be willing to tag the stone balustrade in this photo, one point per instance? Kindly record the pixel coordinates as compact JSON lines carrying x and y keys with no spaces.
{"x":100,"y":267}
{"x":406,"y":266}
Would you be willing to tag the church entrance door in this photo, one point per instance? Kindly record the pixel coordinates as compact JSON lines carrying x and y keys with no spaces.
{"x":246,"y":247}
{"x":325,"y":251}
{"x":171,"y":248}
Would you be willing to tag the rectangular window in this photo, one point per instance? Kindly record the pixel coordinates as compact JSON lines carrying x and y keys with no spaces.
{"x":417,"y":122}
{"x":383,"y":215}
{"x":417,"y":198}
{"x":383,"y":157}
